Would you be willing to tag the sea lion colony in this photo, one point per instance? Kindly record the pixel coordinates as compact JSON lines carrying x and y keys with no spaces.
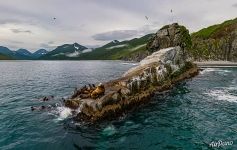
{"x":90,"y":91}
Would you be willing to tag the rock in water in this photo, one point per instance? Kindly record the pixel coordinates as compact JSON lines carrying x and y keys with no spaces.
{"x":157,"y":72}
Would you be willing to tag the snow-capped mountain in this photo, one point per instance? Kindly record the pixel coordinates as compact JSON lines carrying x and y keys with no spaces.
{"x":66,"y":51}
{"x":39,"y":53}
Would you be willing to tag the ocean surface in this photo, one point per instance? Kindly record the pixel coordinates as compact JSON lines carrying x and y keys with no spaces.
{"x":193,"y":114}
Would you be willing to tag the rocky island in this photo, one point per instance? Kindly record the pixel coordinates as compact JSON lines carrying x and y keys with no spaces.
{"x":166,"y":64}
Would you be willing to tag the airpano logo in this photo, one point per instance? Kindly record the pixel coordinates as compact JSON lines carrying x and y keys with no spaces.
{"x":220,"y":143}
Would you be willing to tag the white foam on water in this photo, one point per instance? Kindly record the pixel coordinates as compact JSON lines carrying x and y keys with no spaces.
{"x":222,"y":95}
{"x":122,"y":139}
{"x":61,"y":113}
{"x":64,"y":112}
{"x":109,"y":130}
{"x":232,"y":88}
{"x":208,"y":70}
{"x":220,"y":71}
{"x":226,"y":71}
{"x":135,"y":64}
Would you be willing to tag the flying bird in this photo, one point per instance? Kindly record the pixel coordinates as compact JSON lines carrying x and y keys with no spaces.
{"x":54,"y":18}
{"x":146,"y":17}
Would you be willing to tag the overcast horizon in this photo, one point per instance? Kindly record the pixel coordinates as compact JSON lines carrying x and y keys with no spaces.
{"x":36,"y":24}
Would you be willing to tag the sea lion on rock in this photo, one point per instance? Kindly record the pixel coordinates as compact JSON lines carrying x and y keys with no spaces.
{"x":74,"y":104}
{"x":93,"y":85}
{"x":83,"y":96}
{"x":83,"y":92}
{"x":99,"y":91}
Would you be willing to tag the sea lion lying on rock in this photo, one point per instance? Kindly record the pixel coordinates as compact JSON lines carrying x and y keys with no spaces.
{"x":90,"y":91}
{"x":99,"y":91}
{"x":84,"y":92}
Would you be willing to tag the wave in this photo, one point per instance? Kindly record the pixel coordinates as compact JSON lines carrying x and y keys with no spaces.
{"x":208,"y":70}
{"x":109,"y":130}
{"x":222,"y":95}
{"x":221,"y":71}
{"x":62,"y":112}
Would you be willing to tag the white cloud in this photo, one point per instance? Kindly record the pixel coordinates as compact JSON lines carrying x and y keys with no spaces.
{"x":91,"y":22}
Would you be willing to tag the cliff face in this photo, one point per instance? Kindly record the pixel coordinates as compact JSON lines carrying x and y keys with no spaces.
{"x":157,"y":72}
{"x":170,"y":36}
{"x":217,"y":42}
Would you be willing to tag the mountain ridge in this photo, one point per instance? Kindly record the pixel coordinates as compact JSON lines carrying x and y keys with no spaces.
{"x":216,"y":42}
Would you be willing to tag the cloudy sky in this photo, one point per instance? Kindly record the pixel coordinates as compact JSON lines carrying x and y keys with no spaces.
{"x":30,"y":24}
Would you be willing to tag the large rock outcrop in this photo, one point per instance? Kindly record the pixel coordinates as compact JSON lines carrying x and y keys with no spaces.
{"x":170,"y":36}
{"x":157,"y":72}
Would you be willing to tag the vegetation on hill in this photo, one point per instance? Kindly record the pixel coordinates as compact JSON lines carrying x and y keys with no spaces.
{"x":216,"y":31}
{"x":217,"y":42}
{"x":4,"y":57}
{"x":64,"y":52}
{"x":117,"y":50}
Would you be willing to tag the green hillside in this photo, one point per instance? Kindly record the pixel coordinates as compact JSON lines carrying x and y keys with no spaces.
{"x":4,"y":57}
{"x":217,"y":42}
{"x":64,"y":52}
{"x":117,"y":50}
{"x":217,"y":30}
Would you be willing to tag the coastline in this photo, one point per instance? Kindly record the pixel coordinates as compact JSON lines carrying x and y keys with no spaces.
{"x":216,"y":64}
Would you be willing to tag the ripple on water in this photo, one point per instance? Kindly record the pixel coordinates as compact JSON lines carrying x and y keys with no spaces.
{"x":187,"y":117}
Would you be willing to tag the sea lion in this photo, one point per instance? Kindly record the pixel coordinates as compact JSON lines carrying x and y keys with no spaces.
{"x":33,"y":108}
{"x":93,"y":85}
{"x":74,"y":104}
{"x":99,"y":91}
{"x":45,"y":98}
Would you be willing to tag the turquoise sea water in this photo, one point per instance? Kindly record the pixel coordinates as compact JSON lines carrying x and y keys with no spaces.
{"x":193,"y":114}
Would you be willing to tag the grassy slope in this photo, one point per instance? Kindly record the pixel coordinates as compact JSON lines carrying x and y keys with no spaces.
{"x":213,"y":43}
{"x":212,"y":31}
{"x":106,"y":52}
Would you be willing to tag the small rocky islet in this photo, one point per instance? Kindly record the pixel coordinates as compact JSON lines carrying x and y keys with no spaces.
{"x":167,"y":64}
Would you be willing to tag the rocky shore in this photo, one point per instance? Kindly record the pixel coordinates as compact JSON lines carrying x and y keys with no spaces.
{"x":166,"y":65}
